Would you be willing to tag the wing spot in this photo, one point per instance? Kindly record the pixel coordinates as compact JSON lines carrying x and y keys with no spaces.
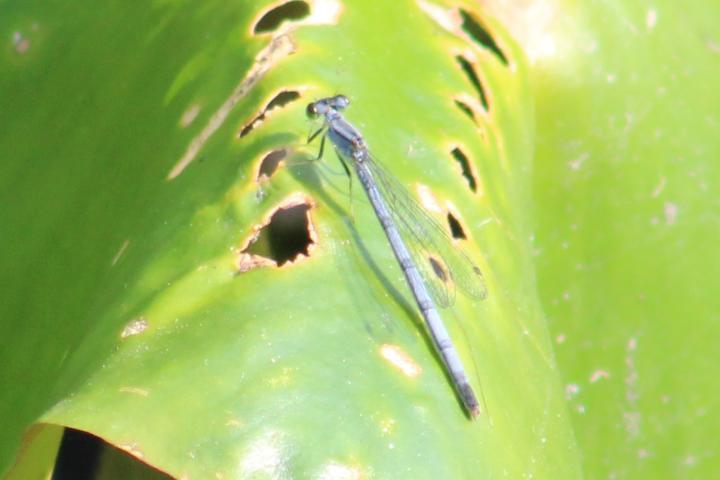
{"x":439,"y":268}
{"x":399,"y":359}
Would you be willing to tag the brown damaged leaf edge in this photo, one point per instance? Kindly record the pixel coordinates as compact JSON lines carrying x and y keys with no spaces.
{"x":279,"y":48}
{"x":480,"y":35}
{"x":468,"y":68}
{"x":297,"y":203}
{"x":430,"y":201}
{"x":466,"y":109}
{"x":324,"y":12}
{"x":467,"y":168}
{"x":456,"y":229}
{"x":465,"y":24}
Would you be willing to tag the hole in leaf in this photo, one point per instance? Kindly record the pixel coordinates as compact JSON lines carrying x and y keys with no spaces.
{"x":286,"y":236}
{"x":78,"y":455}
{"x":282,"y":99}
{"x":455,"y":227}
{"x":480,"y":34}
{"x":288,"y":11}
{"x":439,"y":269}
{"x":472,"y":75}
{"x":279,"y":101}
{"x":82,"y":455}
{"x":465,"y":166}
{"x":271,"y":162}
{"x":466,"y":109}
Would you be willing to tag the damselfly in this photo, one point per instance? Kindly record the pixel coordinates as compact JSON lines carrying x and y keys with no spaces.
{"x":432,"y":265}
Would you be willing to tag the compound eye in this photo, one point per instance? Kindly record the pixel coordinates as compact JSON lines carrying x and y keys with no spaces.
{"x":312,"y":111}
{"x":341,"y":101}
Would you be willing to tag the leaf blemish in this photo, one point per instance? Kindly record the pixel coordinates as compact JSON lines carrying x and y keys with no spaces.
{"x":334,"y":470}
{"x":20,"y":42}
{"x":189,"y":115}
{"x":141,"y":392}
{"x":599,"y":375}
{"x":279,"y":101}
{"x":279,"y":48}
{"x":120,"y":253}
{"x":428,"y":199}
{"x":135,"y":326}
{"x":399,"y":359}
{"x":443,"y":17}
{"x":286,"y":236}
{"x":671,"y":212}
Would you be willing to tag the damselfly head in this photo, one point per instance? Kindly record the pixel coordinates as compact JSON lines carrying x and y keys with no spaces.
{"x":322,"y":107}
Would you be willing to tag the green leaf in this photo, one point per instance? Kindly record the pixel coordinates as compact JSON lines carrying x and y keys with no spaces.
{"x":134,"y":314}
{"x":626,"y":201}
{"x":131,"y":188}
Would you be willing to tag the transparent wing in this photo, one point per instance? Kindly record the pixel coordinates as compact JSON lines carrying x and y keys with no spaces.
{"x":442,"y":263}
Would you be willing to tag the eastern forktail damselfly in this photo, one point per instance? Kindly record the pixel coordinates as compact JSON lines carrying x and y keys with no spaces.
{"x":432,"y":265}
